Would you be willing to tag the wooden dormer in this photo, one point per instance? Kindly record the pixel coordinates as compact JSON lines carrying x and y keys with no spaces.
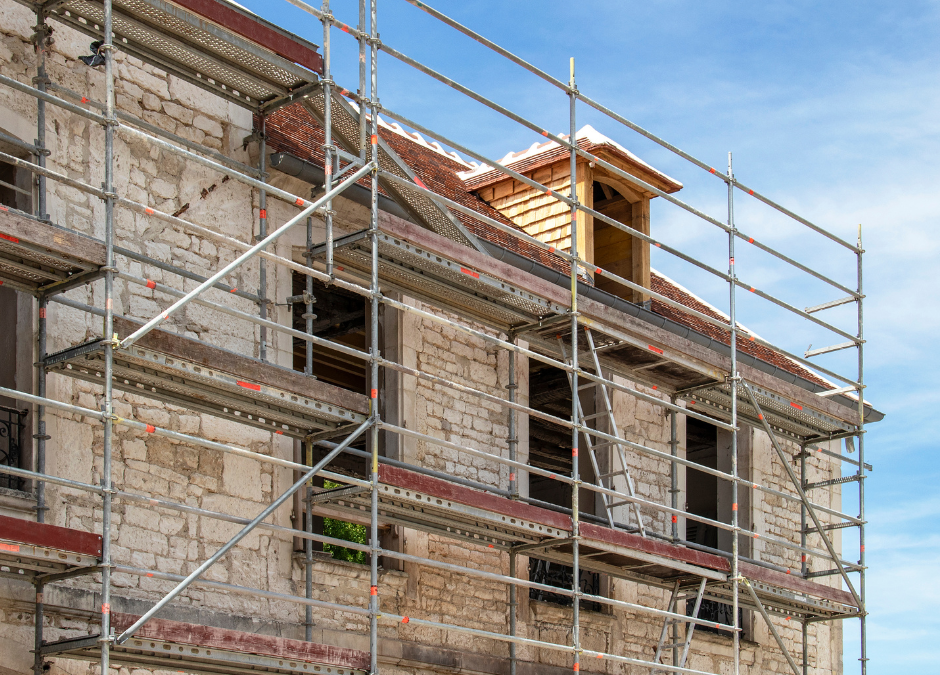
{"x":549,"y":220}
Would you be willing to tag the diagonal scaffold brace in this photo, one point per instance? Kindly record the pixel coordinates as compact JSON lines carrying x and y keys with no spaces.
{"x":836,"y":559}
{"x":199,"y":571}
{"x":308,"y":209}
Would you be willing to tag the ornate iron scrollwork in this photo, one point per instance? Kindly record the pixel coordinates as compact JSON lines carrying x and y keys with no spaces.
{"x":562,"y":576}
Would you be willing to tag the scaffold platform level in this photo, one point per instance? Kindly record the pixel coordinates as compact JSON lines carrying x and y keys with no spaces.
{"x":40,"y":258}
{"x":446,"y":509}
{"x":29,"y":549}
{"x":183,"y":647}
{"x":215,"y":45}
{"x":192,"y":374}
{"x":787,"y":418}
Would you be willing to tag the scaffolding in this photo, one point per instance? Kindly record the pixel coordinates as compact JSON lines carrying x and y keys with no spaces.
{"x":444,"y":264}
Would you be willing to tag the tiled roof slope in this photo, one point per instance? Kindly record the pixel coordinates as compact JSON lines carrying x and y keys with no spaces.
{"x":292,"y":129}
{"x":673,"y":291}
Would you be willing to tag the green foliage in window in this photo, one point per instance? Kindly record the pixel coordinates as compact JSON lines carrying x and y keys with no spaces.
{"x":340,"y":529}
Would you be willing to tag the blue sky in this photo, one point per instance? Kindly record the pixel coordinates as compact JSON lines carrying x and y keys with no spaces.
{"x":829,"y":108}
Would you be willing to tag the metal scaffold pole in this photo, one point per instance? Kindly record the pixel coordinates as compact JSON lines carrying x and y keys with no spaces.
{"x":513,"y":494}
{"x":108,"y":425}
{"x":327,"y":84}
{"x":575,"y":418}
{"x":736,"y":635}
{"x":42,"y":38}
{"x":803,"y":564}
{"x":262,"y":233}
{"x":374,"y":339}
{"x":863,"y":628}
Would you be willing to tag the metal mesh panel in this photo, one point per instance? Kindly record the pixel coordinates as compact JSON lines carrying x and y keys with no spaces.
{"x":43,"y":259}
{"x":236,"y":79}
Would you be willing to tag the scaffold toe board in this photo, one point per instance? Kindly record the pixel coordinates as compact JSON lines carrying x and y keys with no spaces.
{"x":193,"y":374}
{"x":41,"y":258}
{"x":182,"y":647}
{"x":30,"y":549}
{"x":214,"y":45}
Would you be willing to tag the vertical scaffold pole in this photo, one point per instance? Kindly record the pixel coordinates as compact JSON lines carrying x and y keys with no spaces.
{"x":363,"y":129}
{"x":262,"y":233}
{"x":736,"y":638}
{"x":863,"y":653}
{"x":308,"y":544}
{"x":374,"y":339}
{"x":327,"y":83}
{"x":513,"y":494}
{"x":575,"y":475}
{"x":803,"y":564}
{"x":107,"y":47}
{"x":674,"y":502}
{"x":42,"y":44}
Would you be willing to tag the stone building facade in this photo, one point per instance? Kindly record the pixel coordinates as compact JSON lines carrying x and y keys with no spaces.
{"x":158,"y":540}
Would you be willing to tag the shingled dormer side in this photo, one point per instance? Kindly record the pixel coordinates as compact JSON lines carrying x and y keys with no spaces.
{"x":549,"y":220}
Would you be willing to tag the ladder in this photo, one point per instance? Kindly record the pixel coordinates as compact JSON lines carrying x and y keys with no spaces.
{"x":606,"y":480}
{"x":663,"y":646}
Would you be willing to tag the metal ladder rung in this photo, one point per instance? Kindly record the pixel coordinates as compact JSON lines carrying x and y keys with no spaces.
{"x":613,"y":473}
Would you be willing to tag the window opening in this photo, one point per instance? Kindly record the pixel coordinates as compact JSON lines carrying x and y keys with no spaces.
{"x":13,"y":429}
{"x":341,"y":317}
{"x":550,"y":449}
{"x":702,"y":497}
{"x":340,"y":529}
{"x":15,"y":189}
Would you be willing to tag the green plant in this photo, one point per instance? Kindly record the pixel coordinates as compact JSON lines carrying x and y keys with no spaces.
{"x":340,"y":529}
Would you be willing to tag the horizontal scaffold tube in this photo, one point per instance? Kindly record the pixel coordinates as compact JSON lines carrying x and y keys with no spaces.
{"x":157,"y":131}
{"x":556,"y":420}
{"x":267,"y":511}
{"x":557,"y":195}
{"x":619,"y":118}
{"x":241,"y":590}
{"x":567,"y":423}
{"x":167,"y":433}
{"x":599,"y":271}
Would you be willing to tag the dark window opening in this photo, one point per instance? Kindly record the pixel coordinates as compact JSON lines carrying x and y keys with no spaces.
{"x":718,"y":612}
{"x":562,"y":576}
{"x":12,"y":431}
{"x":550,"y":449}
{"x":701,"y":488}
{"x":704,"y":494}
{"x":15,"y":189}
{"x":340,"y":317}
{"x":14,"y":423}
